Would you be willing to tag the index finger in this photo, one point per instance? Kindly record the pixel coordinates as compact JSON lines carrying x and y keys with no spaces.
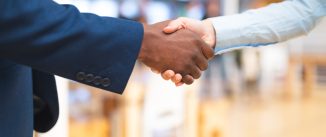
{"x":208,"y":52}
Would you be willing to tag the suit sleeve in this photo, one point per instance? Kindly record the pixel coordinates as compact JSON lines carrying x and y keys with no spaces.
{"x":58,"y":39}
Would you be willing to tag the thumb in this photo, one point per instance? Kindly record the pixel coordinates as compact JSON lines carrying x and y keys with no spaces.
{"x":174,"y":26}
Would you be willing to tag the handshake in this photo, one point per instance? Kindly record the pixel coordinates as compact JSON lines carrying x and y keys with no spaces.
{"x":178,"y":49}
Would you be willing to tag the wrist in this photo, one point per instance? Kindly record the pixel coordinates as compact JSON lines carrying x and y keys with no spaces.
{"x":142,"y":54}
{"x":211,"y":32}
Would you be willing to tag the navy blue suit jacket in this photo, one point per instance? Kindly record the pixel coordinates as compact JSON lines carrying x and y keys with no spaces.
{"x":39,"y":38}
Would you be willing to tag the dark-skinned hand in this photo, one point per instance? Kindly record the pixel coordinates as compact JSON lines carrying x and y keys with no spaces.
{"x":183,"y":51}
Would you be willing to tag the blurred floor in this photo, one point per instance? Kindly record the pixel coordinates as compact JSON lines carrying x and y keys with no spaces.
{"x":251,"y":116}
{"x":98,"y":127}
{"x":244,"y":116}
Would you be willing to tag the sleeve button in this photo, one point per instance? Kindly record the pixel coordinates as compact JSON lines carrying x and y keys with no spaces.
{"x":89,"y":77}
{"x":106,"y":82}
{"x":80,"y":76}
{"x":97,"y":80}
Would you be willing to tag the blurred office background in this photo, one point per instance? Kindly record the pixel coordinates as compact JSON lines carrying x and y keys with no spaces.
{"x":274,"y":91}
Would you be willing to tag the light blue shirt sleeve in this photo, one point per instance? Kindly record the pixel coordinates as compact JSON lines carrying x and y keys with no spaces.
{"x":272,"y":24}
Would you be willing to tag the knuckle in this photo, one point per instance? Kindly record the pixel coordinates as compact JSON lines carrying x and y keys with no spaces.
{"x":194,"y":56}
{"x":190,"y":82}
{"x":187,"y":79}
{"x":188,"y":65}
{"x":204,"y":66}
{"x":197,"y":75}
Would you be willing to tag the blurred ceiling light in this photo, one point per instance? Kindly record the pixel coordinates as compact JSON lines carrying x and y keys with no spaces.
{"x":104,"y":8}
{"x":196,"y":12}
{"x":82,"y":5}
{"x":129,"y":9}
{"x":99,"y":7}
{"x":157,"y":11}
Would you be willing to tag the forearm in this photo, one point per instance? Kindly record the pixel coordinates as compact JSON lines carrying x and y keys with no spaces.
{"x":268,"y":25}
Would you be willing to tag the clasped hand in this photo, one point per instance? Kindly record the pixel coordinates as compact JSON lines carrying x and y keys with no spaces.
{"x":178,"y":49}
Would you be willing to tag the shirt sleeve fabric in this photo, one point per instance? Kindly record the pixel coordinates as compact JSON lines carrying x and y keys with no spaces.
{"x":268,"y":25}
